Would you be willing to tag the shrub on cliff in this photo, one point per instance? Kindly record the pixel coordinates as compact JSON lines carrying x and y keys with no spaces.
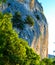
{"x":29,"y":20}
{"x":17,"y":21}
{"x":14,"y":50}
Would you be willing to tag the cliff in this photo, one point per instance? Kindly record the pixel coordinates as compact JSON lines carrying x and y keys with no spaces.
{"x":37,"y":35}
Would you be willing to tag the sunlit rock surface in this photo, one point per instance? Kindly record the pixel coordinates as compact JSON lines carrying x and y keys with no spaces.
{"x":37,"y":36}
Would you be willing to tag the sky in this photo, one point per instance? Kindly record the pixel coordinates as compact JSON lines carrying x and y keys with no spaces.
{"x":49,"y":11}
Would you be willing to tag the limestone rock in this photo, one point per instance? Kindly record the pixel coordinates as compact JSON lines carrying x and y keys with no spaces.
{"x":37,"y":36}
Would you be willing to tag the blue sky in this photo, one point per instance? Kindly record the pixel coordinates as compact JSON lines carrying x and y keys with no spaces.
{"x":49,"y":11}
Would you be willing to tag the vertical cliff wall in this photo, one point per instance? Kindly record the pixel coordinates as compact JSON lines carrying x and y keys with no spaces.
{"x":37,"y":35}
{"x":40,"y":45}
{"x":31,"y":4}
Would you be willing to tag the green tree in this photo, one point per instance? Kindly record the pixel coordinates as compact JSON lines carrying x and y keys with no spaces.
{"x":14,"y":50}
{"x":32,"y":58}
{"x":11,"y":49}
{"x":47,"y":61}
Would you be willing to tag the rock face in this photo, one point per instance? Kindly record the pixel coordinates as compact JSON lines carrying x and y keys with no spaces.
{"x":37,"y":35}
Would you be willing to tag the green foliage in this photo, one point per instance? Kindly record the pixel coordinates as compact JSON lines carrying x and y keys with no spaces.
{"x":32,"y":58}
{"x":0,"y":1}
{"x":29,"y":20}
{"x":11,"y":49}
{"x":3,"y":1}
{"x":47,"y":61}
{"x":53,"y":63}
{"x":17,"y":21}
{"x":4,"y":21}
{"x":14,"y":50}
{"x":42,"y":63}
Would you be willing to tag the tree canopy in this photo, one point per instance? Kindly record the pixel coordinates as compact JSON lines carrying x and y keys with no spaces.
{"x":14,"y":50}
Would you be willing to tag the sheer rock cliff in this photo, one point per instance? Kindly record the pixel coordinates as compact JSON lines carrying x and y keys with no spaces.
{"x":37,"y":35}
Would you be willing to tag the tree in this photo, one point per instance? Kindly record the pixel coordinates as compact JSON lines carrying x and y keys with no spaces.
{"x":47,"y":61}
{"x":14,"y":50}
{"x":32,"y":58}
{"x":11,"y":49}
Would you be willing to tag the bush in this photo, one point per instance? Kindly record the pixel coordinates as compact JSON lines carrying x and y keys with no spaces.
{"x":29,"y":20}
{"x":17,"y":21}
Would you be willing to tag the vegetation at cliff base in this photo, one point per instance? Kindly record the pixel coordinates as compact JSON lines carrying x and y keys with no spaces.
{"x":14,"y":50}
